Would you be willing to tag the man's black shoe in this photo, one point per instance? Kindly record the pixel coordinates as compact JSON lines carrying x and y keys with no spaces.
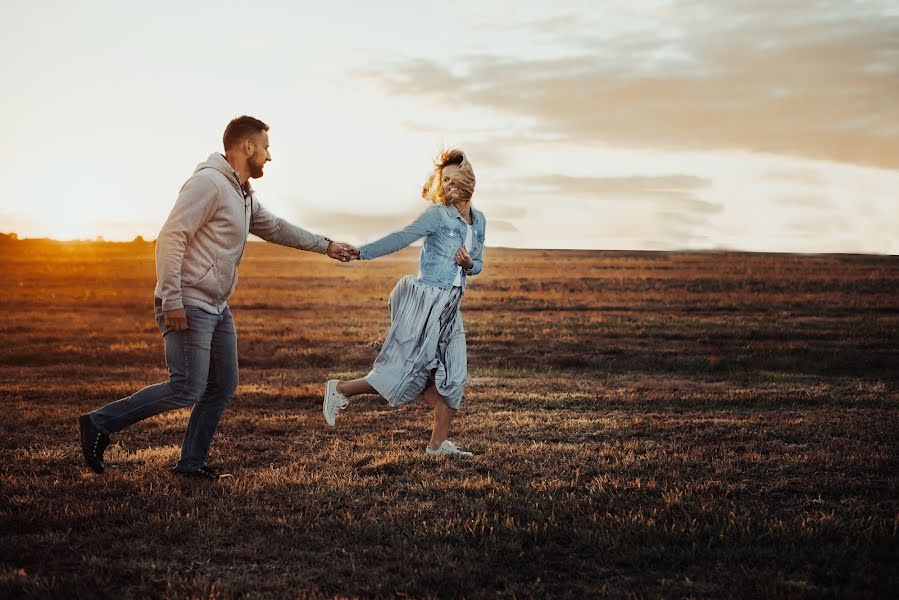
{"x":93,"y":443}
{"x":203,"y":472}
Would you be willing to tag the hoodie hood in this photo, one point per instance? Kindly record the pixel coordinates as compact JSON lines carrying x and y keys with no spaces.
{"x":218,"y":162}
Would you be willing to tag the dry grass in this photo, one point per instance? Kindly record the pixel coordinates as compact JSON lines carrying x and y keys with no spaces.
{"x":646,"y":424}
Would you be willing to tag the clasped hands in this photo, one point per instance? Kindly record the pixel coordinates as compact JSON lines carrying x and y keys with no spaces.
{"x":342,"y":251}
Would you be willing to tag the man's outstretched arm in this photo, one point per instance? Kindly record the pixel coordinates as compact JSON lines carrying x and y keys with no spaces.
{"x":278,"y":231}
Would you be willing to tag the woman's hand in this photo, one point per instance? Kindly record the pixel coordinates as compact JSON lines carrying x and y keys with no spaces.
{"x":463,"y":259}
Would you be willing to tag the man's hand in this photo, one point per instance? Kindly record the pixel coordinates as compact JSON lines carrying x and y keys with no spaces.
{"x":342,"y":252}
{"x":176,"y":319}
{"x":463,"y":259}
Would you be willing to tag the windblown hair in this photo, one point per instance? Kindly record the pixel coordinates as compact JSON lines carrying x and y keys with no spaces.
{"x":432,"y":190}
{"x":241,"y":128}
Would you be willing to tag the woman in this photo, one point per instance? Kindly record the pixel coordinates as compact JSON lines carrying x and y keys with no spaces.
{"x":424,"y":354}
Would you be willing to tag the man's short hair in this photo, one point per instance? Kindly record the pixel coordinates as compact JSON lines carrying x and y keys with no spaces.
{"x":241,"y":128}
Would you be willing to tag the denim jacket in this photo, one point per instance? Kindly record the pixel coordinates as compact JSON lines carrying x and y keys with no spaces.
{"x":445,"y":230}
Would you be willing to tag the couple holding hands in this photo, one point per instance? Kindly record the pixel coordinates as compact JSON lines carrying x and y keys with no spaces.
{"x":197,"y":254}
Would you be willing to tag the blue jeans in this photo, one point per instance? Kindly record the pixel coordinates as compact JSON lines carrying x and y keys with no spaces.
{"x":202,"y":362}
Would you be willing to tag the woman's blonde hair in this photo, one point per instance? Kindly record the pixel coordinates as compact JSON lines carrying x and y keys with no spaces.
{"x":432,"y":190}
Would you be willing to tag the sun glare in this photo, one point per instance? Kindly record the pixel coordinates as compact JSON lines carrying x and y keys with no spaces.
{"x":72,"y":230}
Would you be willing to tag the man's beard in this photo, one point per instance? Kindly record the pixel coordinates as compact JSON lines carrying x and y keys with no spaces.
{"x":255,"y":170}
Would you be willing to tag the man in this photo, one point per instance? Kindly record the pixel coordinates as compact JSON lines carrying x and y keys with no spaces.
{"x":197,"y":254}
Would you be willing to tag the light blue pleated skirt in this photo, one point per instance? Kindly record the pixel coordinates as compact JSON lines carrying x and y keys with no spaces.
{"x":426,"y":334}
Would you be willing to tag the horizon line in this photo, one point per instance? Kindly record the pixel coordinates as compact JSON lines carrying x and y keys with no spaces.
{"x":13,"y":237}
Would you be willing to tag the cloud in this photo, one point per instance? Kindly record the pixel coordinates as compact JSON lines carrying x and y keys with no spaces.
{"x":662,"y":185}
{"x":819,"y":82}
{"x":815,"y":226}
{"x":359,"y":226}
{"x":507,"y":211}
{"x":805,"y":177}
{"x":485,"y":155}
{"x":668,"y":206}
{"x":500,"y":225}
{"x":672,"y":195}
{"x":807,"y":201}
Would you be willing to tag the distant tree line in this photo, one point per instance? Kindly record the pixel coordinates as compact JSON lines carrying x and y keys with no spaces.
{"x":12,"y":237}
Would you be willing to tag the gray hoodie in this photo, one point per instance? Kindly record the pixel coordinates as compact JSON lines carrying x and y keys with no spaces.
{"x":200,"y":246}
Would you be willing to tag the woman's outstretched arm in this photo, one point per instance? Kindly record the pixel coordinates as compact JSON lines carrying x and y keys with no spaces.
{"x":425,"y":224}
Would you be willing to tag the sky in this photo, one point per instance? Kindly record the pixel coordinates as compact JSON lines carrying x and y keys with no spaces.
{"x":755,"y":125}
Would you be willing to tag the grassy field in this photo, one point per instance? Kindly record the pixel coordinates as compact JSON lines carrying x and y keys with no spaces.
{"x":645,"y":424}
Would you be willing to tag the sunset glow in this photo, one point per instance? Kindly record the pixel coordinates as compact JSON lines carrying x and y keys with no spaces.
{"x":660,"y":125}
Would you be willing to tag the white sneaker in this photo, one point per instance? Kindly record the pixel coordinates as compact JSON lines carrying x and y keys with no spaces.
{"x":333,"y":403}
{"x":447,"y":448}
